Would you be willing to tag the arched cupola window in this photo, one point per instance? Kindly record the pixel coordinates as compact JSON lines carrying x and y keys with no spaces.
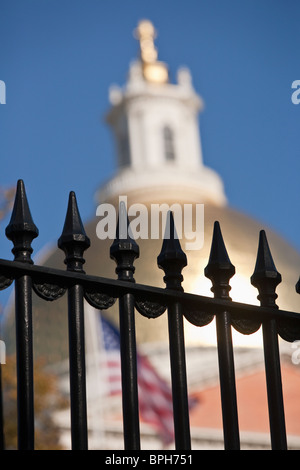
{"x":169,"y":147}
{"x":123,"y":143}
{"x":124,"y":150}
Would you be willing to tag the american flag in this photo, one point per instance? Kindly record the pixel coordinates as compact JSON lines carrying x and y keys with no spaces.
{"x":155,"y":395}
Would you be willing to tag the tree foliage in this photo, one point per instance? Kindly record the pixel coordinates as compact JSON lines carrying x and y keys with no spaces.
{"x":47,"y":400}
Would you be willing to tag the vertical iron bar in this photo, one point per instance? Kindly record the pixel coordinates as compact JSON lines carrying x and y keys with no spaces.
{"x":129,"y":373}
{"x":21,"y":230}
{"x":77,"y":369}
{"x":274,"y":386}
{"x":172,"y":260}
{"x":124,"y":250}
{"x":2,"y":441}
{"x":74,"y":241}
{"x":178,"y":374}
{"x":24,"y":355}
{"x":220,"y":270}
{"x":266,"y":278}
{"x":227,"y":382}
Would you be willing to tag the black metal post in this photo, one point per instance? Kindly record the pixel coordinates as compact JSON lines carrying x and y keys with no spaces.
{"x":77,"y":368}
{"x":2,"y":440}
{"x":172,"y":260}
{"x":179,"y":381}
{"x":21,"y":230}
{"x":23,"y":306}
{"x":227,"y":382}
{"x":129,"y":373}
{"x":266,"y":278}
{"x":124,"y":251}
{"x":74,"y":242}
{"x":220,"y":270}
{"x":274,"y":386}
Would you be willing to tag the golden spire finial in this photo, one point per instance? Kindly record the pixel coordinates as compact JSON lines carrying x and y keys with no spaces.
{"x":153,"y":70}
{"x":145,"y":33}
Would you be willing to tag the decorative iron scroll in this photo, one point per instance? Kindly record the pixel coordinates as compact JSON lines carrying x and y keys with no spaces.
{"x":245,"y":326}
{"x":48,"y":292}
{"x":5,"y":282}
{"x":289,"y":330}
{"x":149,"y":309}
{"x":98,"y":300}
{"x":198,"y":318}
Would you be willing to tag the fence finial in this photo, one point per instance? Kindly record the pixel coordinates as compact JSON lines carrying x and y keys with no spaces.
{"x":124,"y":249}
{"x":265,"y":277}
{"x":73,"y":240}
{"x":21,"y":229}
{"x":171,"y":258}
{"x":219,"y":268}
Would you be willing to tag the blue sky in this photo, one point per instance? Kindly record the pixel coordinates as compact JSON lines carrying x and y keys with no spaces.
{"x":59,"y":57}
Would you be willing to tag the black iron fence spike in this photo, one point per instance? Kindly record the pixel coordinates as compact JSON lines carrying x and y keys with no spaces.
{"x":265,"y":276}
{"x":73,"y":229}
{"x":172,"y":258}
{"x":73,"y":240}
{"x":21,"y":229}
{"x":171,"y":249}
{"x":21,"y":219}
{"x":265,"y":266}
{"x":123,"y":240}
{"x":219,"y":263}
{"x":124,"y":249}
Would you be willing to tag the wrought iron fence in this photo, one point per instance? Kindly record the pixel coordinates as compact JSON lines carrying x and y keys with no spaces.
{"x":51,"y":284}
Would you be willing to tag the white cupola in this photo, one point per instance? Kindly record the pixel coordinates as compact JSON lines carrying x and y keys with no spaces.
{"x":156,"y":130}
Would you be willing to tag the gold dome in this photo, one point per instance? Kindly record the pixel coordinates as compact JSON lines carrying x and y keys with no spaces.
{"x":240,"y":234}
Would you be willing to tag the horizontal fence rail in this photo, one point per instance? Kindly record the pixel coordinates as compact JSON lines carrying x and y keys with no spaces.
{"x":101,"y":293}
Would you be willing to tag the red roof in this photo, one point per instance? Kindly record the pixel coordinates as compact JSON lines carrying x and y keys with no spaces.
{"x":252,"y":403}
